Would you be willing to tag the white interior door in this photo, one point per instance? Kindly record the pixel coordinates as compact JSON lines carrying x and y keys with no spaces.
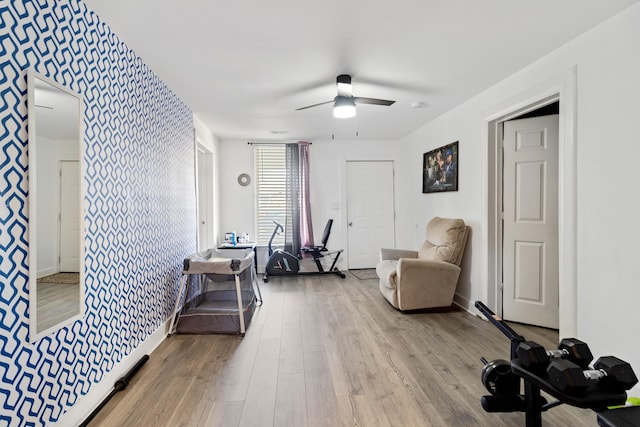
{"x":530,"y":235}
{"x":370,"y":212}
{"x":70,"y":221}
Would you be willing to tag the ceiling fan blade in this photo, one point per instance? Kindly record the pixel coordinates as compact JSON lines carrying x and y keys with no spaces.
{"x":373,"y":101}
{"x":314,"y":105}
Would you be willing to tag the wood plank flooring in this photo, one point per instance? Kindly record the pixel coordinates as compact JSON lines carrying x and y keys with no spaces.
{"x":323,"y":351}
{"x":56,"y":303}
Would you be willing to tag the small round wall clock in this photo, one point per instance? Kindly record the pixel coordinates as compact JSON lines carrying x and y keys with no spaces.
{"x":244,"y":179}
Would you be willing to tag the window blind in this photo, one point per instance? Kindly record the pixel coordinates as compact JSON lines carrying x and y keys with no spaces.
{"x":270,"y":163}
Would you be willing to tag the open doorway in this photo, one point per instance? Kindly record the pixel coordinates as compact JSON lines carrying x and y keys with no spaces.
{"x":563,"y":92}
{"x":530,"y":288}
{"x":205,"y":196}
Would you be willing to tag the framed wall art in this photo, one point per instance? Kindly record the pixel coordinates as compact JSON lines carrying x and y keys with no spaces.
{"x":440,"y":169}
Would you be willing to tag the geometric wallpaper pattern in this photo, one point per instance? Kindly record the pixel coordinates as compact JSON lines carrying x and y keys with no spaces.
{"x":140,"y":209}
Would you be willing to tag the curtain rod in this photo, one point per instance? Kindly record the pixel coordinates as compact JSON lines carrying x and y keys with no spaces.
{"x":277,"y":143}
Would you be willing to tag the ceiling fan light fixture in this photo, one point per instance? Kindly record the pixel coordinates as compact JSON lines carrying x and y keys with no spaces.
{"x":343,"y":82}
{"x":344,"y":104}
{"x":344,"y":108}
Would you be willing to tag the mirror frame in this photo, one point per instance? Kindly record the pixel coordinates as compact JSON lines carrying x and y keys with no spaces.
{"x":34,"y":333}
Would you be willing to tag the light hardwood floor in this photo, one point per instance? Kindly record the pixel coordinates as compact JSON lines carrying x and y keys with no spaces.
{"x":57,"y":302}
{"x":323,"y":351}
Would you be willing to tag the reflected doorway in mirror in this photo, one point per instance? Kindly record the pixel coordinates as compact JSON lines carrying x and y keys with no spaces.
{"x":55,"y":173}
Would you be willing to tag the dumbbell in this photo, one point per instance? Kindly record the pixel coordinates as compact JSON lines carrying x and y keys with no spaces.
{"x":533,"y":356}
{"x":613,"y":373}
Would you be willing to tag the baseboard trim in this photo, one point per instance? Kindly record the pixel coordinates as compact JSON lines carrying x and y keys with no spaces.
{"x":464,"y":304}
{"x":86,"y":404}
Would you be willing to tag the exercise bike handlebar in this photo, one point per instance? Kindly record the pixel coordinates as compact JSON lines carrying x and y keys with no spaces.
{"x":278,"y":226}
{"x":276,"y":231}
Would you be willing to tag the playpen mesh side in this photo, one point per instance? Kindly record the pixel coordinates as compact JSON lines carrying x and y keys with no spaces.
{"x":211,"y":304}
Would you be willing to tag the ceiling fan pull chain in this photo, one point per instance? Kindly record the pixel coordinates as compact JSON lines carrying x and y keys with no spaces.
{"x":333,"y":128}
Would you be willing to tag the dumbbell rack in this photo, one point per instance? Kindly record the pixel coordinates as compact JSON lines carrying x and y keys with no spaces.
{"x":596,"y":397}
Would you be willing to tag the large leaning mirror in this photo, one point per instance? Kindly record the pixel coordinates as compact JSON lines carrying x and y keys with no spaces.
{"x":55,"y":205}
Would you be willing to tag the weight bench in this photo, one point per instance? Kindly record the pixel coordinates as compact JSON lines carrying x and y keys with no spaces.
{"x":597,"y":396}
{"x":620,"y":417}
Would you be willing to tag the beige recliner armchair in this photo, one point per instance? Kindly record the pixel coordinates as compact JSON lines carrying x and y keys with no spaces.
{"x":427,"y":278}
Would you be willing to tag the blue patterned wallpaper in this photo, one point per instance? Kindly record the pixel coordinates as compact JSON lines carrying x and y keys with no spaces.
{"x":139,"y":207}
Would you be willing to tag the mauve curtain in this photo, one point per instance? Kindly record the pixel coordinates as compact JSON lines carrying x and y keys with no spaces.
{"x":306,"y":227}
{"x":298,"y":225}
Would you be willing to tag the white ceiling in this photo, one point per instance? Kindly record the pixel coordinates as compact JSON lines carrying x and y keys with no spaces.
{"x":244,"y":66}
{"x":57,"y":111}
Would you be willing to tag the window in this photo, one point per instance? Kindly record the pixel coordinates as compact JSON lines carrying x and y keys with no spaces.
{"x":271,"y":173}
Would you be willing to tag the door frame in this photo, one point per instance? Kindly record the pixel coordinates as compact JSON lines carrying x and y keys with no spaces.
{"x":205,"y":154}
{"x":61,"y":206}
{"x":344,"y":212}
{"x":562,"y":89}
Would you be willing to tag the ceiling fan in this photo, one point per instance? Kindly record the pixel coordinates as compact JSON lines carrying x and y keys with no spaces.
{"x":344,"y":104}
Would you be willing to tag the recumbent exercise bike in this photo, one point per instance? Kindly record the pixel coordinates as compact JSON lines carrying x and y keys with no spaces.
{"x":283,"y":263}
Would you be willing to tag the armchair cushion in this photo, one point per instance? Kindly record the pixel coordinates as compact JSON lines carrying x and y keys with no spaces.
{"x":446,"y":240}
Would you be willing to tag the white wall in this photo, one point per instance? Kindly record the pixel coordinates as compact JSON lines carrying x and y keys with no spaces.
{"x":237,"y":202}
{"x":328,"y":183}
{"x":327,"y":168}
{"x":608,"y":65}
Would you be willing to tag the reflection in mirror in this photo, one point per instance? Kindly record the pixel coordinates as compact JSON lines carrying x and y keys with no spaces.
{"x":55,"y":207}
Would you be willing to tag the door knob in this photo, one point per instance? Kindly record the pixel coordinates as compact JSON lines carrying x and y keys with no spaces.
{"x":350,"y":224}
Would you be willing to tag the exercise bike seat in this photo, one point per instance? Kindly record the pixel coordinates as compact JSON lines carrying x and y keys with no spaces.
{"x":315,"y":250}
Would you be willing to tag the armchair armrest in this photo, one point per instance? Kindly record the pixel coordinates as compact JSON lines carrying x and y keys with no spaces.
{"x":395,"y":254}
{"x":425,"y":283}
{"x":422,"y":266}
